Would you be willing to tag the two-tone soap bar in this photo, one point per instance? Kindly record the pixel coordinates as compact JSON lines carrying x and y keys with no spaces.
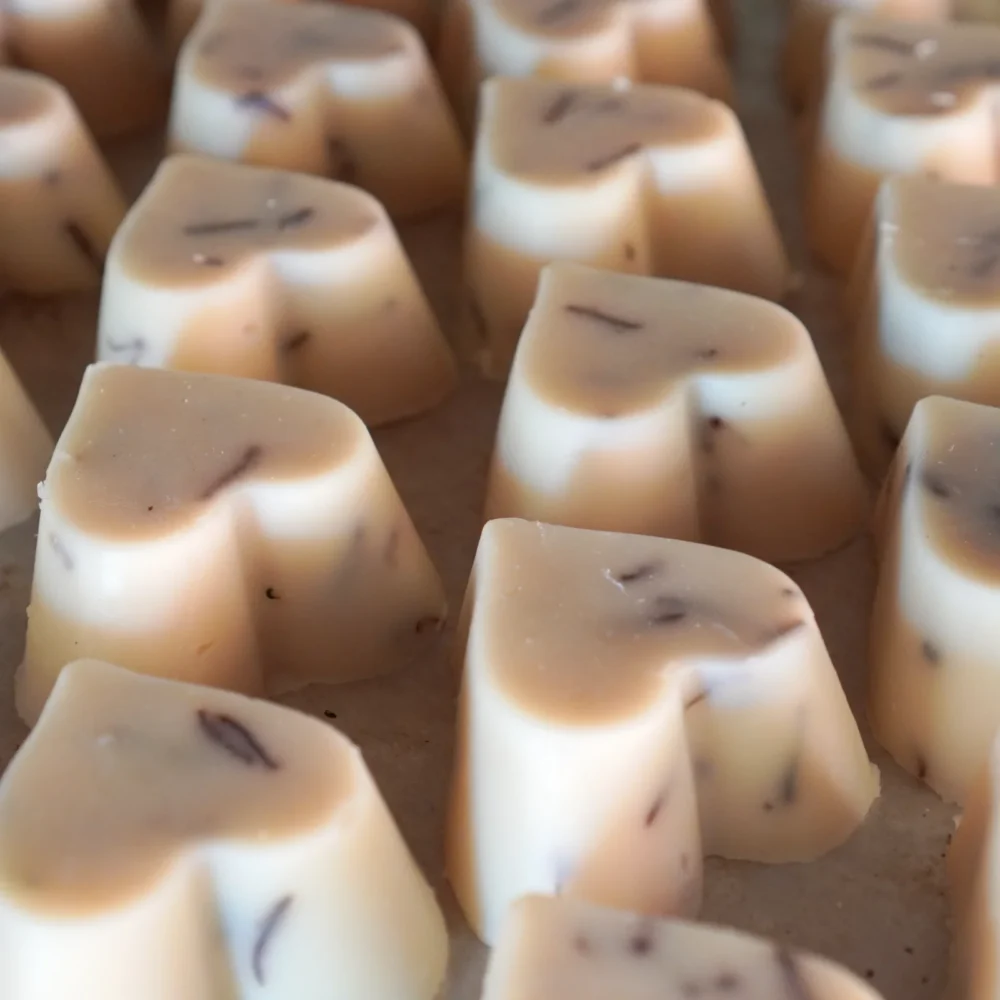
{"x":629,"y":704}
{"x":583,"y":41}
{"x":164,"y":841}
{"x":268,"y":274}
{"x":559,"y":947}
{"x":666,"y":408}
{"x":329,"y":89}
{"x":609,"y":176}
{"x":59,"y":202}
{"x":901,"y":98}
{"x":224,"y":531}
{"x":935,"y":685}
{"x":927,"y":305}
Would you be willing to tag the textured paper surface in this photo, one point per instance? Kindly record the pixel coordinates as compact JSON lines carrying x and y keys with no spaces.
{"x":877,"y":904}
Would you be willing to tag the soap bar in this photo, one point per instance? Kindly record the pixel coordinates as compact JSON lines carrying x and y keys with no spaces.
{"x":320,"y":89}
{"x":587,"y":41}
{"x":629,"y":704}
{"x":809,"y":21}
{"x":102,"y":51}
{"x":225,"y":531}
{"x":59,"y":203}
{"x":566,"y":948}
{"x":934,"y":266}
{"x":422,"y":14}
{"x":972,"y":867}
{"x":935,"y":690}
{"x":901,"y":98}
{"x":165,"y":840}
{"x":25,"y":450}
{"x":666,"y":408}
{"x":267,"y":274}
{"x":609,"y":176}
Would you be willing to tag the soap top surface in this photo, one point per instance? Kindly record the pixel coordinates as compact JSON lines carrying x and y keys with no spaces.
{"x":583,"y":626}
{"x":26,"y":96}
{"x":124,"y":772}
{"x":147,"y":450}
{"x":602,"y":343}
{"x":251,"y":47}
{"x":200,"y":218}
{"x":957,"y":474}
{"x":945,"y":238}
{"x":918,"y":68}
{"x":557,"y":133}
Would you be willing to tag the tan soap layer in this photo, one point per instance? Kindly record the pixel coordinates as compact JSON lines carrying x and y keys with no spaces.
{"x":608,"y":176}
{"x":267,"y":274}
{"x":25,"y":449}
{"x":334,"y":90}
{"x":102,"y":51}
{"x":809,"y":24}
{"x":59,"y":203}
{"x":665,"y":408}
{"x":225,"y":531}
{"x":622,"y":693}
{"x":559,"y":947}
{"x":422,"y":14}
{"x":902,"y":98}
{"x":586,"y":41}
{"x":165,"y":840}
{"x":934,"y":683}
{"x":935,"y":267}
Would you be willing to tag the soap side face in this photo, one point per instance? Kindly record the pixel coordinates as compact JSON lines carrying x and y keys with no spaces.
{"x":612,"y":685}
{"x":225,"y":531}
{"x":159,"y":836}
{"x":707,"y":408}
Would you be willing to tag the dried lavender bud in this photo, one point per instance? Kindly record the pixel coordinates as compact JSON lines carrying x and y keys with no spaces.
{"x":269,"y":925}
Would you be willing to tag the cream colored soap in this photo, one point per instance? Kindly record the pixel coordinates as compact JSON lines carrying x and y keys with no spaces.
{"x":973,"y":875}
{"x":422,"y":14}
{"x":629,"y":704}
{"x":268,"y":274}
{"x":584,"y":41}
{"x":902,"y":98}
{"x":809,"y":22}
{"x":25,"y":450}
{"x":224,"y":531}
{"x":165,"y":841}
{"x":648,"y":180}
{"x":59,"y":203}
{"x":666,"y":408}
{"x":558,"y":947}
{"x":935,"y":685}
{"x":102,"y":51}
{"x":320,"y":89}
{"x":928,"y":307}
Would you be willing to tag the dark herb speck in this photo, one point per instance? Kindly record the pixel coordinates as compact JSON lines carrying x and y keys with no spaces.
{"x":268,"y":927}
{"x":236,"y":739}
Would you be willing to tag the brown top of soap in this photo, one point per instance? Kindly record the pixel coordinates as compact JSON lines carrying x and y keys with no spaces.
{"x":199,"y":218}
{"x":924,"y":69}
{"x":945,"y":238}
{"x":557,"y":133}
{"x":148,"y":450}
{"x":958,"y":478}
{"x":251,"y":47}
{"x":26,"y":96}
{"x":604,"y":343}
{"x":124,"y":772}
{"x":582,"y":626}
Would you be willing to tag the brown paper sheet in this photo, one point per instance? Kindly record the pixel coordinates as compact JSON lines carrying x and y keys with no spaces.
{"x":876,"y":904}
